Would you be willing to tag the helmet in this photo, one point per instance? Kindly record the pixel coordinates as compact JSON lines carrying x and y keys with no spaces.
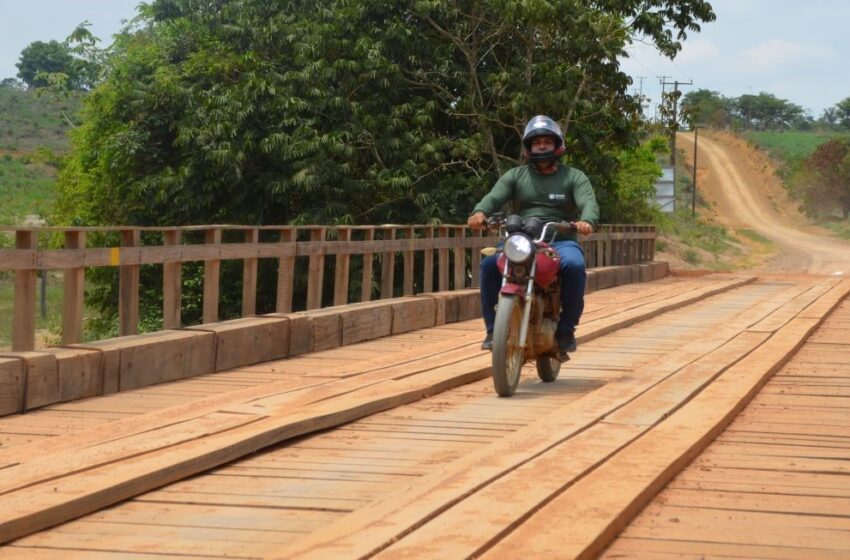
{"x":541,"y":125}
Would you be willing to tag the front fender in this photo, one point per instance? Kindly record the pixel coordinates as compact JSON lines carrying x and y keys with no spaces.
{"x":513,"y":289}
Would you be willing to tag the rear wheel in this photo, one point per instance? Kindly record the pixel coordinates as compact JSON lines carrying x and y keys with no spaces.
{"x":548,"y":367}
{"x":508,"y":356}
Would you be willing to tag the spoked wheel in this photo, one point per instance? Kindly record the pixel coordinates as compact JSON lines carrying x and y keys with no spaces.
{"x":548,"y":367}
{"x":508,"y":357}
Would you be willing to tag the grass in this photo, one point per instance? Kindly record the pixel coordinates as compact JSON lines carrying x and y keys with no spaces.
{"x":27,"y":187}
{"x":754,"y":236}
{"x":29,"y":121}
{"x":790,"y":148}
{"x":47,"y":328}
{"x":841,"y":229}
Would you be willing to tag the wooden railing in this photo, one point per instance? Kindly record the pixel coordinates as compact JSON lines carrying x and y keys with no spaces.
{"x":456,"y":265}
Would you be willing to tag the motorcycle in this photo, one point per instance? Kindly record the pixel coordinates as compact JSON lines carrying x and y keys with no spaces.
{"x":529,"y":304}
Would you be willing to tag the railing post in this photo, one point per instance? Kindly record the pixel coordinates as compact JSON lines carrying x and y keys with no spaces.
{"x":475,"y":265}
{"x":249,"y":277}
{"x":460,"y":258}
{"x":428,"y":266}
{"x":315,"y":272}
{"x":212,"y":278}
{"x":366,"y":284}
{"x":443,"y":261}
{"x":23,"y":325}
{"x":286,"y":272}
{"x":73,"y":292}
{"x":128,"y":288}
{"x":342,"y":268}
{"x":387,"y":266}
{"x":172,"y":283}
{"x":410,"y":235}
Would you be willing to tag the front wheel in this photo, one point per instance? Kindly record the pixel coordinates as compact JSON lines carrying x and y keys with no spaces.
{"x":508,"y":356}
{"x":548,"y":367}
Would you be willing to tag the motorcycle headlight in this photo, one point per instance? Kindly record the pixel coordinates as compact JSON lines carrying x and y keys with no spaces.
{"x":518,"y":248}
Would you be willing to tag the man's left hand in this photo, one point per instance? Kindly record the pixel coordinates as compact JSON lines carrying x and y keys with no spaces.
{"x":584,"y":228}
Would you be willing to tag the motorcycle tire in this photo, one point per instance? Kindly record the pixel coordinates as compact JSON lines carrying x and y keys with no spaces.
{"x":508,"y":357}
{"x":548,"y":367}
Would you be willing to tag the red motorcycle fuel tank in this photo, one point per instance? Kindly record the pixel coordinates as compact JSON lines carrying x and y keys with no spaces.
{"x":548,"y":265}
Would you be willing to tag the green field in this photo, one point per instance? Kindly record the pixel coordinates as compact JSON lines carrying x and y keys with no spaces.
{"x":27,"y":187}
{"x":790,"y":147}
{"x":29,"y":121}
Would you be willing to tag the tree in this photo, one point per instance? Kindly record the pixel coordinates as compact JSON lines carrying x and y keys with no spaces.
{"x":12,"y":83}
{"x":842,"y":110}
{"x":766,"y":112}
{"x":39,"y":59}
{"x":827,"y":184}
{"x":705,"y":107}
{"x":340,"y":111}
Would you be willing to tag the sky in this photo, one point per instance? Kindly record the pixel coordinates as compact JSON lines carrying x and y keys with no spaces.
{"x":797,"y":50}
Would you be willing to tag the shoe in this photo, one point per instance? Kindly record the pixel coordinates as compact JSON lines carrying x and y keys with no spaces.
{"x":488,"y":342}
{"x":567,"y":342}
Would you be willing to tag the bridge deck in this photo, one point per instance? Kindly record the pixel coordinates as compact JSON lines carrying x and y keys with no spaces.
{"x":458,"y":474}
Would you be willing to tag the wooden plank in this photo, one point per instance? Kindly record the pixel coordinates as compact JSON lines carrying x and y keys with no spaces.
{"x":172,"y":284}
{"x":459,"y":259}
{"x":12,"y":380}
{"x":475,"y":265}
{"x":407,"y":287}
{"x":601,"y":504}
{"x":388,"y":267}
{"x":341,"y":270}
{"x":428,"y":263}
{"x":23,"y":313}
{"x":35,"y":507}
{"x":286,"y":272}
{"x":73,"y":293}
{"x":443,"y":261}
{"x":315,"y":272}
{"x":128,"y":288}
{"x":366,"y":282}
{"x":249,"y":277}
{"x":248,"y":340}
{"x":212,"y":279}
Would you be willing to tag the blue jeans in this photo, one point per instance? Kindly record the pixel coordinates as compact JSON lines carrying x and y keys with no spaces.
{"x":573,"y":279}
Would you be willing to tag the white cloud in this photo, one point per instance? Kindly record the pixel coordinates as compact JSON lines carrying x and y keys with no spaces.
{"x":695,"y":51}
{"x":778,"y":52}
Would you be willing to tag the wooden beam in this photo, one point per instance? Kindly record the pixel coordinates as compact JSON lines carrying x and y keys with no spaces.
{"x":128,"y":287}
{"x":73,"y":292}
{"x":316,"y":272}
{"x":341,"y":270}
{"x":23,"y":314}
{"x":172,"y":284}
{"x":249,"y":277}
{"x":366,"y":286}
{"x":212,"y":279}
{"x":286,"y":272}
{"x":428,"y":266}
{"x":388,"y":267}
{"x":459,"y":259}
{"x":443,"y":261}
{"x":410,"y":235}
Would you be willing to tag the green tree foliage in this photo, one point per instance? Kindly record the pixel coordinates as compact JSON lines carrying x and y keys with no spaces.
{"x":349,"y":112}
{"x":842,"y":113}
{"x":826,"y":187}
{"x":39,"y":59}
{"x":767,"y":112}
{"x":707,"y":108}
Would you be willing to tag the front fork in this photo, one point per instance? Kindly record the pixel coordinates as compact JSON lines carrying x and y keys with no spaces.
{"x":526,"y":300}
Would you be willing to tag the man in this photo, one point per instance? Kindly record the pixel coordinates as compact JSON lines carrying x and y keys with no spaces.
{"x":546,"y":189}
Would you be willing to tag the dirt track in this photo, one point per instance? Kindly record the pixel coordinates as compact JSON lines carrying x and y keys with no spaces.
{"x":740,"y":184}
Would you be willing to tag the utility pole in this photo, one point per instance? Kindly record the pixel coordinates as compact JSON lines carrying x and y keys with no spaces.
{"x":676,"y":94}
{"x":694,"y":186}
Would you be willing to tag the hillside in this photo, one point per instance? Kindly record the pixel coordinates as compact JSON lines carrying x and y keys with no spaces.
{"x":33,"y":137}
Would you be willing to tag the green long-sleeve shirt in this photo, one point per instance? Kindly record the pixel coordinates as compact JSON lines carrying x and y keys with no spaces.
{"x":564,"y":195}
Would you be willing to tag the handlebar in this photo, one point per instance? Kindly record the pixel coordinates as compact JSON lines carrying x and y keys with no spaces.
{"x":498,"y":220}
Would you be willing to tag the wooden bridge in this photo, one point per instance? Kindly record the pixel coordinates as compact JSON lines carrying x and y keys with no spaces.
{"x":701,"y":416}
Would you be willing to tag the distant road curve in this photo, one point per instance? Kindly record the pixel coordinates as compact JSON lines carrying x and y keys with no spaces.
{"x":736,"y":186}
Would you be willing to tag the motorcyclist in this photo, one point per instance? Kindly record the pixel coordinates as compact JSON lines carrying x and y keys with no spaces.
{"x":547,"y":189}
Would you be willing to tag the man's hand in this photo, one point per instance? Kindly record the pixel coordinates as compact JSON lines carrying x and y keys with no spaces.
{"x":477,"y":221}
{"x":584,"y":228}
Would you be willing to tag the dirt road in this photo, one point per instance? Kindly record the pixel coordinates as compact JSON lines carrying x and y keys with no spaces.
{"x":740,"y":184}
